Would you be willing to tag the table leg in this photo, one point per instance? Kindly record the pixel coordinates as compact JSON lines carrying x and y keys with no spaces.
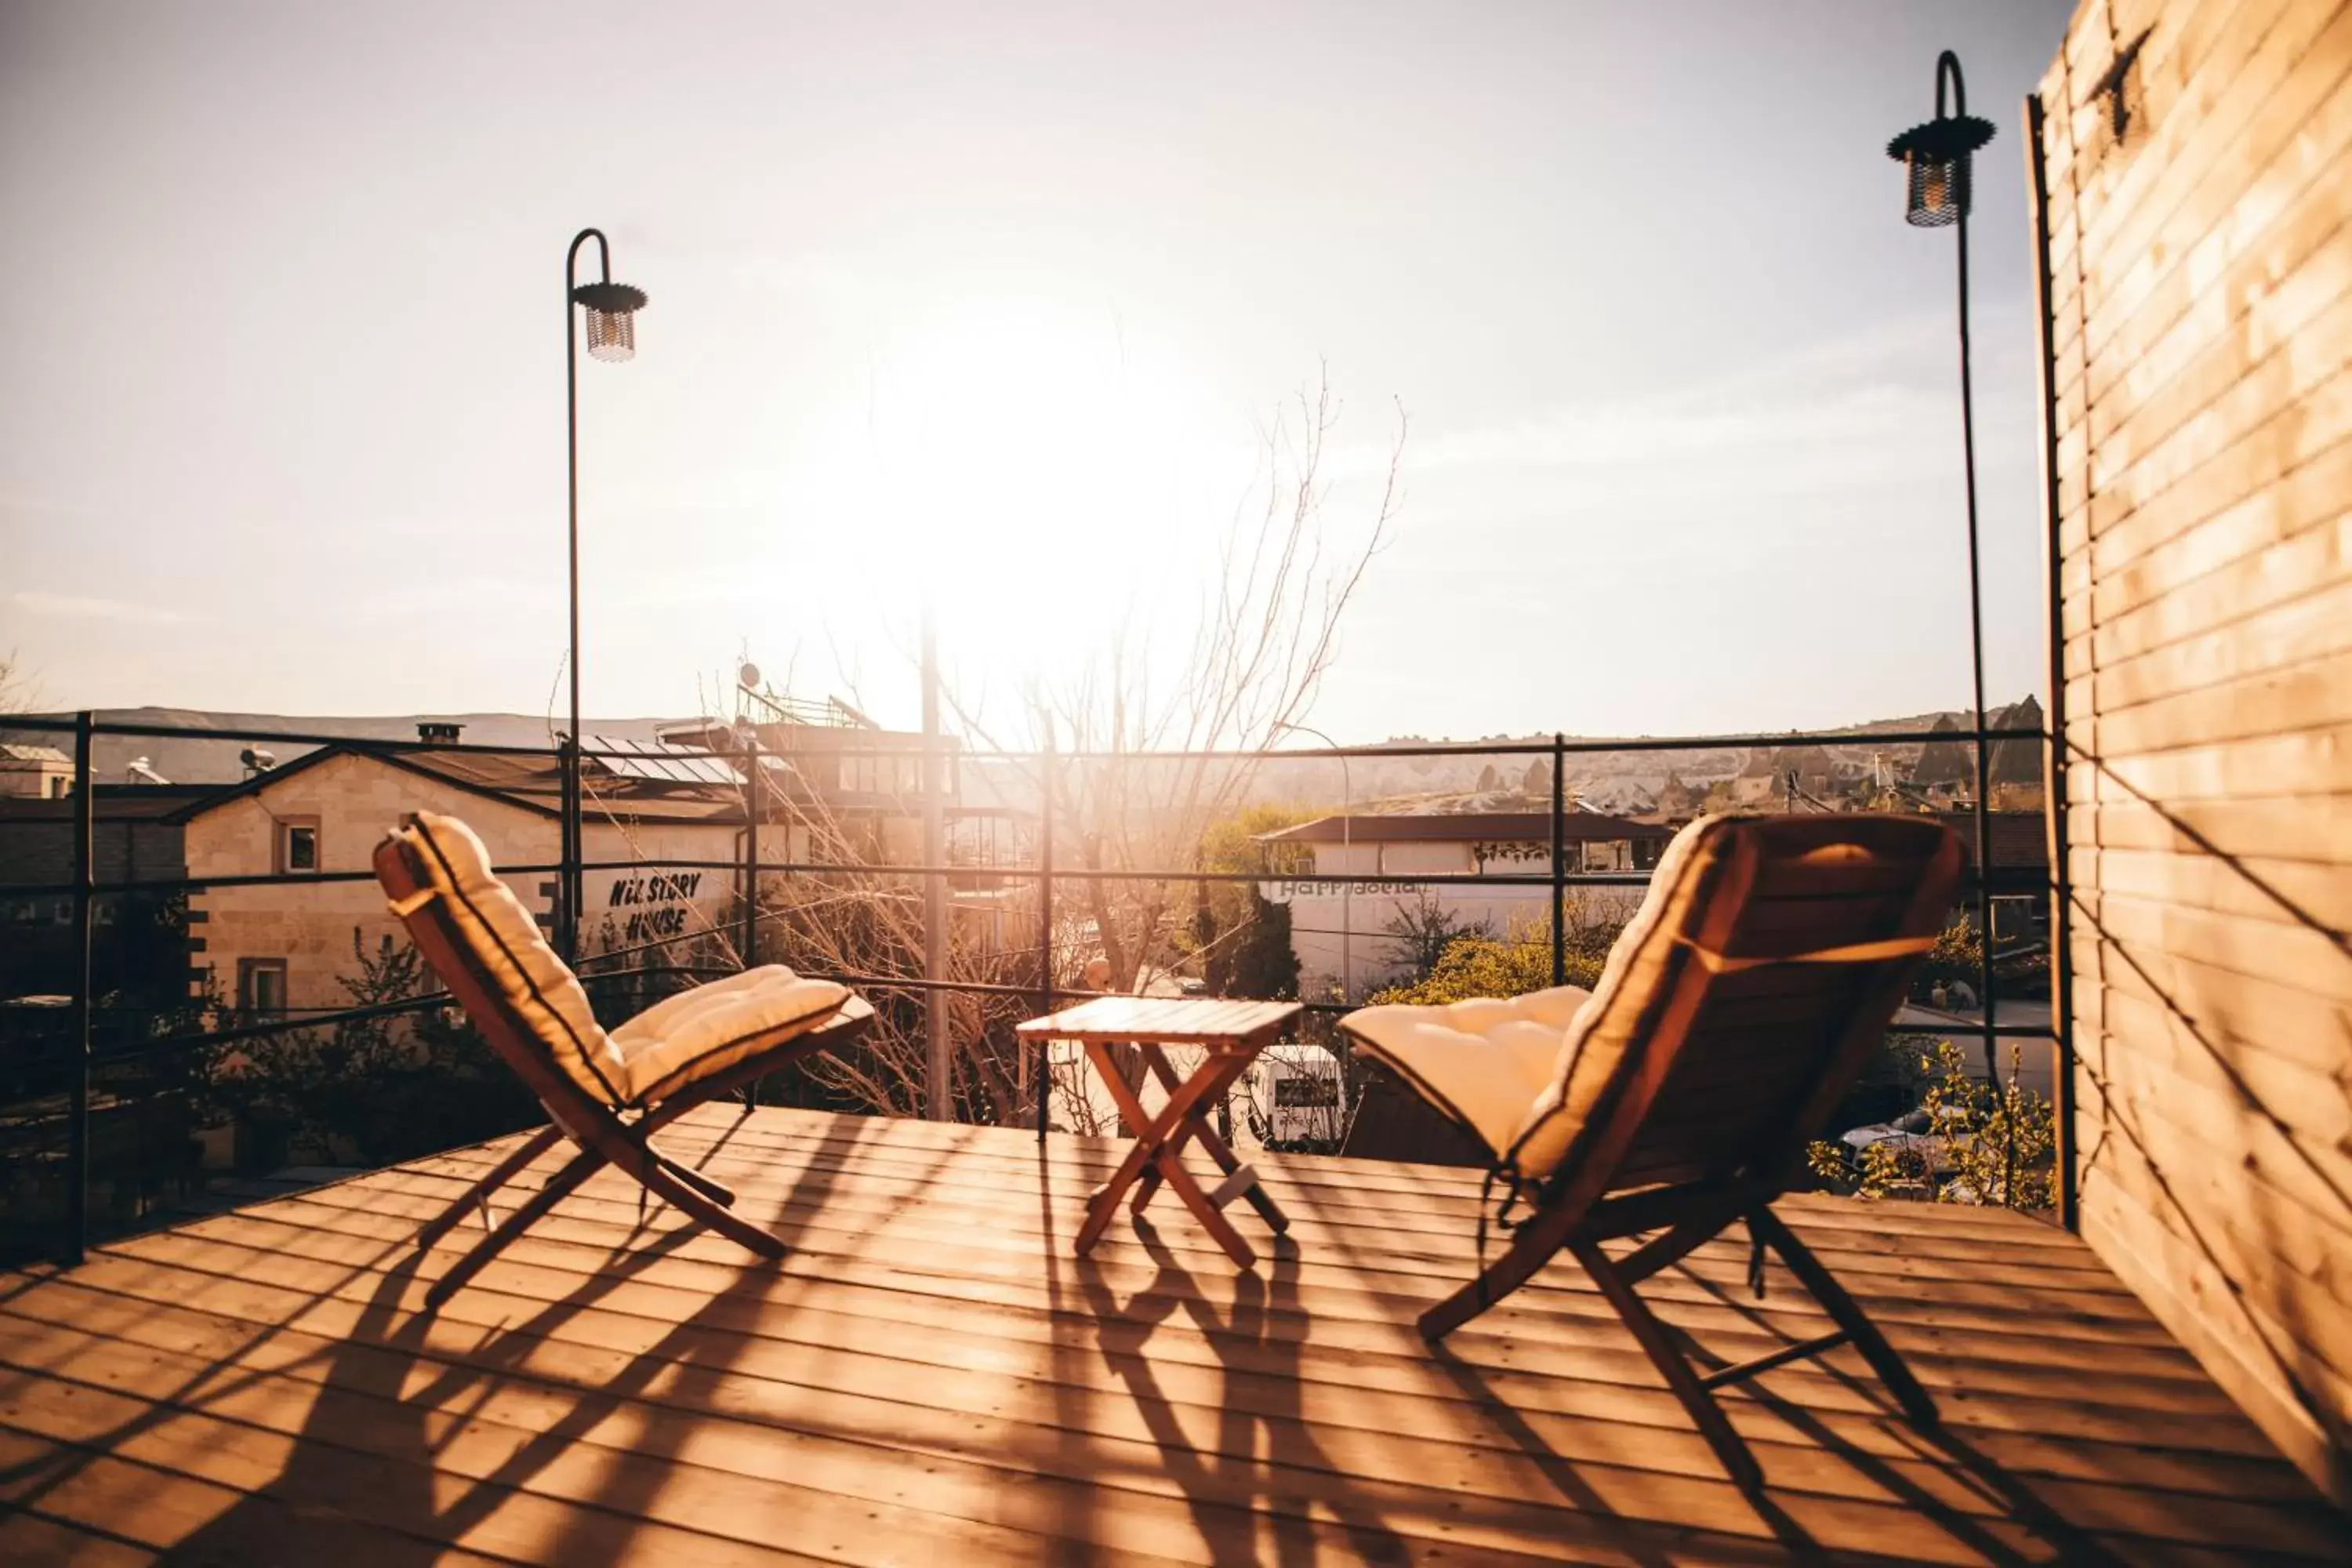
{"x":1231,"y":1068}
{"x":1151,"y":1135}
{"x":1211,"y":1217}
{"x":1230,"y":1163}
{"x":1156,"y":1059}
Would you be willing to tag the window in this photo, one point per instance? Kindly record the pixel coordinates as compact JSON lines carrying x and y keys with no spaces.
{"x":261,"y":987}
{"x":1306,"y":1091}
{"x":298,"y":844}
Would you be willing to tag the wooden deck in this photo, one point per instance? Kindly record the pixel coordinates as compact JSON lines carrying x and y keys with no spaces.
{"x":930,"y":1378}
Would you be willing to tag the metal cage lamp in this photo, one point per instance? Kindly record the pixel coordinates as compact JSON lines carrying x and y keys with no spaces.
{"x":1936,"y":158}
{"x":612,"y":335}
{"x":1936,"y":155}
{"x":612,"y":311}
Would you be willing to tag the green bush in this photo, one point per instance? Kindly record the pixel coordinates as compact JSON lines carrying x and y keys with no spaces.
{"x":2000,"y":1143}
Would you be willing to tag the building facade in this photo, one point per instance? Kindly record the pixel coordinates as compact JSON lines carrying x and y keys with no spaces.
{"x":285,"y":946}
{"x":1343,"y":931}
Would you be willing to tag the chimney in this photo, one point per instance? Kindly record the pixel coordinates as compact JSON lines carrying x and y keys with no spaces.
{"x":438,"y":731}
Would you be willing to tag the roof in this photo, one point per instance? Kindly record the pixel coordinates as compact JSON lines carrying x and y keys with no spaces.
{"x":528,"y":781}
{"x":1466,"y":828}
{"x":111,"y":803}
{"x":46,"y":757}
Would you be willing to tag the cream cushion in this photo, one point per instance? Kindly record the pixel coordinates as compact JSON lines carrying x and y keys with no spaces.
{"x":675,"y":1042}
{"x":1482,"y":1062}
{"x":538,"y":988}
{"x":1526,"y":1074}
{"x":696,"y":1033}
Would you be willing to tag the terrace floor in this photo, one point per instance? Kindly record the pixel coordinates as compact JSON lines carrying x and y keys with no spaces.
{"x":931,"y":1378}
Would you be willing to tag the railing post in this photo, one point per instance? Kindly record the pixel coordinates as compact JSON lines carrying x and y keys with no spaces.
{"x":567,"y":888}
{"x":1045,"y":935}
{"x":2054,"y":756}
{"x":1558,"y":859}
{"x":85,"y":840}
{"x":754,"y":800}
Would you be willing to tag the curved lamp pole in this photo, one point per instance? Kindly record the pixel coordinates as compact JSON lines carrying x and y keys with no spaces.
{"x":612,"y":333}
{"x":1936,"y":156}
{"x":1346,"y":852}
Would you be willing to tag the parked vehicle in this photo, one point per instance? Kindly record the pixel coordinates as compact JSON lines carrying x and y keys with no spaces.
{"x":1924,"y":1149}
{"x":1295,"y":1101}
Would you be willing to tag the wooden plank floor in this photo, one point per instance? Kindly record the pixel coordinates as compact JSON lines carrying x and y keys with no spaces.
{"x":930,"y":1378}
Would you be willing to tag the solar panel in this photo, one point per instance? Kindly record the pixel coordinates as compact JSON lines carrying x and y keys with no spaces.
{"x":661,"y":762}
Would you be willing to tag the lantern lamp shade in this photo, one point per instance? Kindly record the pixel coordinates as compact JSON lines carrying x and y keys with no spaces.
{"x":612,"y":318}
{"x":1936,"y":157}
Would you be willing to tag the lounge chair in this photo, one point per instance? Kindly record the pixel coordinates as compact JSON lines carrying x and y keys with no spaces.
{"x":1733,"y":1015}
{"x":606,"y":1093}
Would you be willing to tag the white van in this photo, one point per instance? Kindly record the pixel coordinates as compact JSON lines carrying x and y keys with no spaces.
{"x":1295,"y":1096}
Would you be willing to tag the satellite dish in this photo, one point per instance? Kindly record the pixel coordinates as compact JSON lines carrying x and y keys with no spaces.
{"x":747,"y":675}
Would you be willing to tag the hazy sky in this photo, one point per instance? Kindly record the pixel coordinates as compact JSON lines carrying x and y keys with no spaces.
{"x":987,"y":302}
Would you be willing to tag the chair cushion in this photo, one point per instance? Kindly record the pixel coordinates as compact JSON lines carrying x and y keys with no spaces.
{"x":535,"y":984}
{"x":1482,"y":1062}
{"x":697,"y":1033}
{"x":1526,"y":1074}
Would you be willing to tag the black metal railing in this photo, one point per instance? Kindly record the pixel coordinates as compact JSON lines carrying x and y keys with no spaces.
{"x":82,"y":1057}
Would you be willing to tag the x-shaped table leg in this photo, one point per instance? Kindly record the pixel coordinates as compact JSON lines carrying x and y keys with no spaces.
{"x":1240,"y":1180}
{"x":1159,"y":1141}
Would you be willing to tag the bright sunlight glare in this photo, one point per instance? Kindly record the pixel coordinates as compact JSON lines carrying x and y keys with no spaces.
{"x":1037,"y":474}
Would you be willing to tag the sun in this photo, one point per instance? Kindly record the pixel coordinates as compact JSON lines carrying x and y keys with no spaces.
{"x":1037,"y":468}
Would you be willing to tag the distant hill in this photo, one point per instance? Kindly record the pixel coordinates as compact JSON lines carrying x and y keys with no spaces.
{"x":1621,"y":775}
{"x":1595,"y":775}
{"x":193,"y":760}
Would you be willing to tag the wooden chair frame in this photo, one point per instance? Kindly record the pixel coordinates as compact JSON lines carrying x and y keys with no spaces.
{"x":1575,"y":1212}
{"x":604,"y":1133}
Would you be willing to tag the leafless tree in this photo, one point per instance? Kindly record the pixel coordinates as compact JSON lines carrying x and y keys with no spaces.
{"x":19,"y":693}
{"x":1266,"y":634}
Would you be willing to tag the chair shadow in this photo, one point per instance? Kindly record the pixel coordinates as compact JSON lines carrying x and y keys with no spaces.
{"x":2022,"y":1503}
{"x":301,"y":1514}
{"x":255,"y":1539}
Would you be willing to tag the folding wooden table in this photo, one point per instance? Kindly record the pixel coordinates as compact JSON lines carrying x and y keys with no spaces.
{"x":1233,"y":1034}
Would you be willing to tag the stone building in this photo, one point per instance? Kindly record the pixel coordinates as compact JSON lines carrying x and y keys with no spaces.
{"x":281,"y":945}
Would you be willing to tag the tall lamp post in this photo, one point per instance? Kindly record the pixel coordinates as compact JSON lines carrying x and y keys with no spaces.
{"x":612,"y":333}
{"x":1936,"y":156}
{"x":1346,"y":853}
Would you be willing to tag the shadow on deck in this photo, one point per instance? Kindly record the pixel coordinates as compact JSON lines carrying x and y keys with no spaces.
{"x":931,"y":1377}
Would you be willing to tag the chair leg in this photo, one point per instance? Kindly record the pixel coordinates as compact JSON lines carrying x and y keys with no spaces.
{"x":1652,"y":1335}
{"x":478,"y":1197}
{"x":583,"y":1164}
{"x":1846,"y":1314}
{"x":1533,"y":1245}
{"x":658,"y":1179}
{"x":717,"y":1190}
